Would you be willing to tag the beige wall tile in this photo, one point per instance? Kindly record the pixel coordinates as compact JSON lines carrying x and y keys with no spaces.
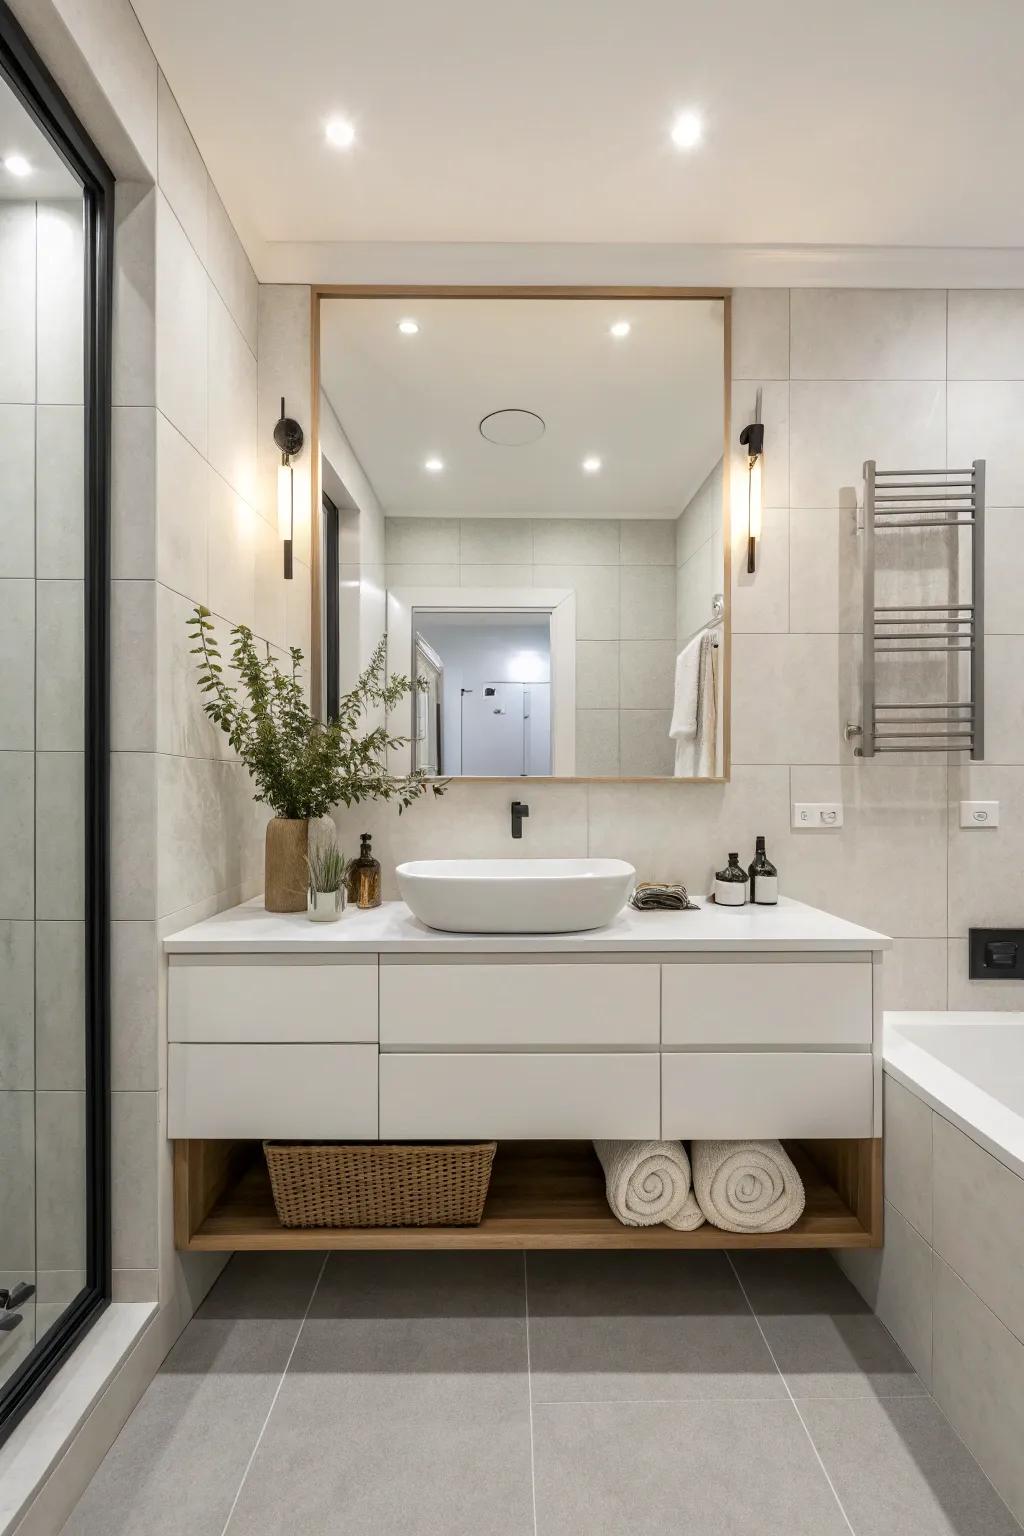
{"x":133,"y":835}
{"x":908,"y":1156}
{"x":868,"y":333}
{"x":229,"y":268}
{"x":494,"y":541}
{"x":576,"y":540}
{"x":136,"y":972}
{"x":835,"y":426}
{"x":896,"y":1280}
{"x":647,"y":674}
{"x":60,"y":672}
{"x":134,"y":669}
{"x":984,"y":423}
{"x":645,"y":747}
{"x":597,"y":596}
{"x":979,"y":1223}
{"x":133,"y":1148}
{"x":17,"y":489}
{"x":986,"y":333}
{"x":17,"y":838}
{"x":426,"y":540}
{"x":984,"y":867}
{"x":825,"y":582}
{"x":1004,"y":570}
{"x":494,"y":575}
{"x":760,"y":333}
{"x":232,"y":539}
{"x":18,"y":303}
{"x":60,"y":371}
{"x":60,"y":835}
{"x":184,"y":486}
{"x":232,"y":402}
{"x":785,"y":699}
{"x":60,"y":490}
{"x":597,"y":743}
{"x":914,"y":974}
{"x":647,"y":541}
{"x":60,"y":1180}
{"x":181,"y":329}
{"x":17,"y":664}
{"x":760,"y":601}
{"x":597,"y":674}
{"x":17,"y":988}
{"x":133,"y":493}
{"x":978,"y":1382}
{"x":134,"y":325}
{"x":183,"y":176}
{"x":647,"y":602}
{"x":60,"y":1005}
{"x":1004,"y":699}
{"x":17,"y":1188}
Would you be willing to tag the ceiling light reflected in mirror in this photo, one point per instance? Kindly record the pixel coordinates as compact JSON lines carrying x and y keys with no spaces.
{"x":408,"y":327}
{"x":17,"y":165}
{"x":591,"y":464}
{"x":433,"y":465}
{"x":340,"y":133}
{"x":620,"y":328}
{"x":687,"y":130}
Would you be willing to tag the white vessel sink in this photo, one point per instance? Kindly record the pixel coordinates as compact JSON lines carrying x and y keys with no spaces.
{"x":515,"y":895}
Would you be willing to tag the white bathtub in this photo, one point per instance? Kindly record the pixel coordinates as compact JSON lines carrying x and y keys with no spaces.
{"x":970,"y":1068}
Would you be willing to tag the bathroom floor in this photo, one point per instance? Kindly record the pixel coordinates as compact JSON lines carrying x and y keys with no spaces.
{"x":564,"y":1394}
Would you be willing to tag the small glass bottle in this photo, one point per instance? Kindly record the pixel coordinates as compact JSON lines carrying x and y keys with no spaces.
{"x":731,"y":884}
{"x":764,"y":878}
{"x":362,"y":879}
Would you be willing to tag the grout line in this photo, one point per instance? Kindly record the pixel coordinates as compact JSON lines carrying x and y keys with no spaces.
{"x":277,"y":1393}
{"x":789,"y":1394}
{"x":529,"y":1385}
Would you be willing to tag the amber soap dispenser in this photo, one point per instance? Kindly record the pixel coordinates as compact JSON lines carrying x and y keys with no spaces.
{"x":363,"y":878}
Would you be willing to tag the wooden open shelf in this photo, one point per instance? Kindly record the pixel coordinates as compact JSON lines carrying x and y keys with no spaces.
{"x":543,"y":1195}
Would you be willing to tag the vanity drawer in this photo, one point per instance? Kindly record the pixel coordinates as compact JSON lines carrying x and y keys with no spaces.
{"x":273,"y":998}
{"x":734,"y":1095}
{"x":508,"y":1004}
{"x":301,"y":1091}
{"x":560,"y":1096}
{"x":758,"y":1003}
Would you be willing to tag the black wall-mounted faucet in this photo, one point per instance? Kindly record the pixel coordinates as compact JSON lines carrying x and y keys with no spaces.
{"x":519,"y":810}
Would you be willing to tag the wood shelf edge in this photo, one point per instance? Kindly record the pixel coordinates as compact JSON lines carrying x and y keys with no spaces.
{"x":544,"y":1195}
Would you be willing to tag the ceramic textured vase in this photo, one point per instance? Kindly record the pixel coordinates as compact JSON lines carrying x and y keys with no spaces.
{"x":287,"y":874}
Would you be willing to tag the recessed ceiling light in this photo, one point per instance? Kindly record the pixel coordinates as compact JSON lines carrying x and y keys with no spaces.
{"x":620,"y":328}
{"x":341,"y":133}
{"x":433,"y":465}
{"x":592,"y":465}
{"x":687,"y":130}
{"x":408,"y":327}
{"x":17,"y":165}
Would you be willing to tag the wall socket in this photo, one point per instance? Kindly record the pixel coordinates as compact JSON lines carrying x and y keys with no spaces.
{"x":979,"y":813}
{"x":819,"y":815}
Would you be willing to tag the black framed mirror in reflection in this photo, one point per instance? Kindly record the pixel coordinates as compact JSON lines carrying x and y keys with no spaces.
{"x":56,"y":207}
{"x":531,"y":496}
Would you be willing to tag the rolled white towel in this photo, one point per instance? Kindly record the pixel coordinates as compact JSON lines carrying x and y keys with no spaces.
{"x":746,"y":1186}
{"x":646,"y":1181}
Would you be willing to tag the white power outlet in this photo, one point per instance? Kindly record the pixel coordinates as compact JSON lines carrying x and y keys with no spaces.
{"x":979,"y":813}
{"x":817,"y":816}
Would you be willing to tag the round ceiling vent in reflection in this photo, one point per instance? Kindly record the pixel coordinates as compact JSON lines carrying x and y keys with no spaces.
{"x":512,"y":428}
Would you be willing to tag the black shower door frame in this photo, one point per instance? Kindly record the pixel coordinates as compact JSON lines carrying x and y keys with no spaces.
{"x":24,"y":72}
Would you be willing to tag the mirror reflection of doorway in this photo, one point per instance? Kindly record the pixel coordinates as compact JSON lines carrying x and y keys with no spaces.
{"x":489,"y":692}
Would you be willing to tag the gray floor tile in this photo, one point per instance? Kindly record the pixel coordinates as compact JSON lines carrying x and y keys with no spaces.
{"x":901,"y":1470}
{"x":406,"y":1407}
{"x":709,"y":1469}
{"x":177,"y":1463}
{"x":826,"y":1340}
{"x":634,"y":1325}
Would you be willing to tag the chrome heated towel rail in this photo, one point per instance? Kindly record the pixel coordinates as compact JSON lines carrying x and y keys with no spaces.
{"x":925,"y":498}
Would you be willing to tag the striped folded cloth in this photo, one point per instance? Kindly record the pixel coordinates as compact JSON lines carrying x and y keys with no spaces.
{"x":654,"y":896}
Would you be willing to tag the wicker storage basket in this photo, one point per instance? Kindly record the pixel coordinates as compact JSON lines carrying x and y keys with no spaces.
{"x":379,"y":1186}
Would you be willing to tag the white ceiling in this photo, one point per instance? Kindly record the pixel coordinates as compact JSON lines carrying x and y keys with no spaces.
{"x":886,"y":122}
{"x":649,"y":405}
{"x":19,"y":135}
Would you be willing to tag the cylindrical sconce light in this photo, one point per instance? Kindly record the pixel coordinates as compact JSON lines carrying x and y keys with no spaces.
{"x":289,"y":439}
{"x":752,"y":439}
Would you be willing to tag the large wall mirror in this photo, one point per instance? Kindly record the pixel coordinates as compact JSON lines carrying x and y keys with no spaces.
{"x":527,"y":492}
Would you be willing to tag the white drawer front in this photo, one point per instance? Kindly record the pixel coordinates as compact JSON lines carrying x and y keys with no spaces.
{"x":784,"y":1003}
{"x":518,"y":1005}
{"x":301,"y":1091}
{"x":252,"y":1001}
{"x":519,"y":1096}
{"x":734,"y":1095}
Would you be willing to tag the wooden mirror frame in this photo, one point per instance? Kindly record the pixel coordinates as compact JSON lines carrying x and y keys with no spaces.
{"x":321,"y":291}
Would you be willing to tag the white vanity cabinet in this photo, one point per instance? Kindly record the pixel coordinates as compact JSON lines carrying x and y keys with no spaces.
{"x":715,"y":1024}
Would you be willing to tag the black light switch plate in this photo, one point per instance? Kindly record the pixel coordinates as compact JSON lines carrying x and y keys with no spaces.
{"x":995,"y":954}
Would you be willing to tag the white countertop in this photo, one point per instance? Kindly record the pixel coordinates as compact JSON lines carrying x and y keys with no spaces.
{"x":392,"y":929}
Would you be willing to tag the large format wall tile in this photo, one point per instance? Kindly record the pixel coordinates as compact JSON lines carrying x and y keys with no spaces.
{"x":133,"y":666}
{"x":1004,"y":570}
{"x":978,"y":1382}
{"x":647,"y":602}
{"x":896,"y":1281}
{"x":17,"y":664}
{"x":182,"y":172}
{"x":986,"y":333}
{"x":133,"y":492}
{"x":181,"y":329}
{"x":17,"y":834}
{"x":60,"y":666}
{"x":597,"y":743}
{"x":60,"y":491}
{"x":229,"y":268}
{"x":183,"y":489}
{"x":979,"y":1222}
{"x":60,"y":835}
{"x":18,"y":303}
{"x":17,"y":489}
{"x":60,"y":1005}
{"x":785,"y":699}
{"x":60,"y":376}
{"x":647,"y":541}
{"x":645,"y":748}
{"x":490,"y":541}
{"x":868,"y":333}
{"x":17,"y":1187}
{"x":760,"y":333}
{"x":231,"y":554}
{"x":1004,"y":699}
{"x":984,"y":423}
{"x":422,"y":540}
{"x":17,"y":986}
{"x":984,"y":867}
{"x":914,"y":974}
{"x":576,"y":541}
{"x":134,"y":327}
{"x":60,"y":1180}
{"x":826,"y":594}
{"x":232,"y":401}
{"x":134,"y":1141}
{"x":835,"y":426}
{"x":597,"y":596}
{"x":761,"y":600}
{"x":908,"y":1156}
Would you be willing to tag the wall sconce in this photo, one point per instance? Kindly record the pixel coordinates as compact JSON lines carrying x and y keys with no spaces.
{"x":288,"y":437}
{"x":752,"y":439}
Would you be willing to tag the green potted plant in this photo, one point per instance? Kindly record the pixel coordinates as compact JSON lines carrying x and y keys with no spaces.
{"x":302,"y":767}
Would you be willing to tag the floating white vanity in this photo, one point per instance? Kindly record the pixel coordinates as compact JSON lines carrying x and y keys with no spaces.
{"x":713,"y":1024}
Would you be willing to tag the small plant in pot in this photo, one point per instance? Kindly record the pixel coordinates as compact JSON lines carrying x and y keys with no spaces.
{"x":301,"y":767}
{"x":325,"y":898}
